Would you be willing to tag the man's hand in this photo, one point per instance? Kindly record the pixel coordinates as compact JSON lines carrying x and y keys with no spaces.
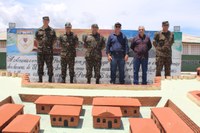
{"x":109,"y":58}
{"x":126,"y":57}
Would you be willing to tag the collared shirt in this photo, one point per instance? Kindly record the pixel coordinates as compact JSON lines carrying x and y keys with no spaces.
{"x":117,"y":43}
{"x":141,"y":46}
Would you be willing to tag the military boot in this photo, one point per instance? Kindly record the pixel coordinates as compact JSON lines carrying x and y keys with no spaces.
{"x":97,"y":81}
{"x":50,"y":79}
{"x":40,"y":79}
{"x":63,"y":80}
{"x":71,"y":79}
{"x":88,"y":80}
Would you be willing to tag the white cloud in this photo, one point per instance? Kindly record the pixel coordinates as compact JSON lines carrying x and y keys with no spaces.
{"x":82,"y":14}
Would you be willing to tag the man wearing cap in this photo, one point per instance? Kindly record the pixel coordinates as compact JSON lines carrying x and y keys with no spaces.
{"x":68,"y":43}
{"x":141,"y":44}
{"x":163,"y":41}
{"x":94,"y":44}
{"x":117,"y":51}
{"x":46,"y":37}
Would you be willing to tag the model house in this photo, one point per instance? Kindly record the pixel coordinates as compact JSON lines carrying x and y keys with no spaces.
{"x":106,"y":117}
{"x":45,"y":103}
{"x":129,"y":106}
{"x":168,"y":121}
{"x":142,"y":125}
{"x":8,"y":112}
{"x":24,"y":124}
{"x":65,"y":116}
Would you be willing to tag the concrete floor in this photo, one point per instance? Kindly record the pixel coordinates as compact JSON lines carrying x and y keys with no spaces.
{"x":176,"y":90}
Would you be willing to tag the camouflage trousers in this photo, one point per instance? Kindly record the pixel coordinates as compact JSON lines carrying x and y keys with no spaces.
{"x":66,"y":61}
{"x":163,"y":62}
{"x":45,"y":58}
{"x":93,"y":64}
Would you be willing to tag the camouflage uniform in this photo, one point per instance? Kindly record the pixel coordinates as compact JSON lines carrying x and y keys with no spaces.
{"x":46,"y":38}
{"x":68,"y":53}
{"x":94,"y":45}
{"x":163,"y":42}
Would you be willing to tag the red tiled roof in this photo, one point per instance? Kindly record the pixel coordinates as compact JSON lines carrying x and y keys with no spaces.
{"x":105,"y":111}
{"x":7,"y":111}
{"x":170,"y":121}
{"x":59,"y":100}
{"x":65,"y":110}
{"x":112,"y":101}
{"x":143,"y":125}
{"x":22,"y":123}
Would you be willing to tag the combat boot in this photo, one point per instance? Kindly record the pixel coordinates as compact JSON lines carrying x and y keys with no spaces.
{"x":40,"y":79}
{"x":71,"y":79}
{"x":88,"y":80}
{"x":50,"y":79}
{"x":97,"y":81}
{"x":63,"y":80}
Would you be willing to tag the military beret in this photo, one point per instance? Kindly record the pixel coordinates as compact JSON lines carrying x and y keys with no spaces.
{"x":45,"y":18}
{"x":165,"y":23}
{"x":118,"y":24}
{"x":68,"y":24}
{"x":94,"y":26}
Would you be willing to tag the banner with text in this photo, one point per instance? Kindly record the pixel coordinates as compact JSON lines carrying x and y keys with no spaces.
{"x":22,"y":55}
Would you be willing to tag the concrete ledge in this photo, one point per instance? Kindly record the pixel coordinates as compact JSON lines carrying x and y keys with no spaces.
{"x":194,"y":96}
{"x":26,"y":83}
{"x":87,"y":100}
{"x":6,"y":100}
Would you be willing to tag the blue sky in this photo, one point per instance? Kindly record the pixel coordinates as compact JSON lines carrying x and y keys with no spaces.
{"x":82,"y":13}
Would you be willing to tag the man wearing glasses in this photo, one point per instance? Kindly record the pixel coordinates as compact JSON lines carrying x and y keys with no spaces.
{"x":141,"y":44}
{"x":163,"y":41}
{"x":117,"y":50}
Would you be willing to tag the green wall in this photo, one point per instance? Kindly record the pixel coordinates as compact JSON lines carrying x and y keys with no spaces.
{"x":190,"y":62}
{"x":2,"y":60}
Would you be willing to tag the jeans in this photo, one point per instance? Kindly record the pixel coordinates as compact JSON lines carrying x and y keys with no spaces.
{"x":117,"y":61}
{"x":136,"y":67}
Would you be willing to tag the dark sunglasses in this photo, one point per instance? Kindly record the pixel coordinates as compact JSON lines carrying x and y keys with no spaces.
{"x":117,"y":26}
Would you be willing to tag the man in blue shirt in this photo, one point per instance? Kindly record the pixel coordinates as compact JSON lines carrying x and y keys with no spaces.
{"x":117,"y":50}
{"x":141,"y":44}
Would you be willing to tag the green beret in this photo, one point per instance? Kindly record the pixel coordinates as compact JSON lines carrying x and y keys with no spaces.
{"x":165,"y":23}
{"x":45,"y":18}
{"x":94,"y":26}
{"x":68,"y":24}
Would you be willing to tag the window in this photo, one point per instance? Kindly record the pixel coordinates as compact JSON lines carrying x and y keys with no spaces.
{"x":195,"y":49}
{"x":60,"y":119}
{"x":125,"y":111}
{"x":115,"y":120}
{"x":72,"y":119}
{"x":54,"y":119}
{"x":42,"y":107}
{"x":104,"y":120}
{"x":135,"y":111}
{"x":98,"y":120}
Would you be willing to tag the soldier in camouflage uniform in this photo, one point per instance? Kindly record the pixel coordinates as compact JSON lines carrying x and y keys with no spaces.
{"x":46,"y":37}
{"x":163,"y":41}
{"x":68,"y":43}
{"x":94,"y":43}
